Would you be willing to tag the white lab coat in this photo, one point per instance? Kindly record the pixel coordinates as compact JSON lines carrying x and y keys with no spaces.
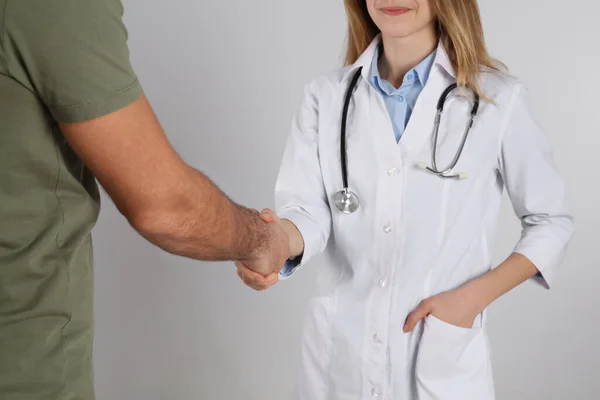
{"x":414,"y":235}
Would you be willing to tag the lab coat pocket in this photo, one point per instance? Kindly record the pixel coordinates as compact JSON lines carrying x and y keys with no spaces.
{"x":453,"y":363}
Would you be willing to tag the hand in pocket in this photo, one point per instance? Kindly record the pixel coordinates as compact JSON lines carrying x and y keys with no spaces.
{"x":453,"y":307}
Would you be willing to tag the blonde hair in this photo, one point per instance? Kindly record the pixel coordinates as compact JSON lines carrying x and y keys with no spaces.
{"x":459,"y":28}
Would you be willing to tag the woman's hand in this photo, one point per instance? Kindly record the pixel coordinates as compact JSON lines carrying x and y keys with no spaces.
{"x":454,"y":307}
{"x":461,"y":306}
{"x":255,"y":280}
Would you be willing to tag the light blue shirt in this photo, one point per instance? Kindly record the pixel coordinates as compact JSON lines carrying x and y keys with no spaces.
{"x":401,"y":102}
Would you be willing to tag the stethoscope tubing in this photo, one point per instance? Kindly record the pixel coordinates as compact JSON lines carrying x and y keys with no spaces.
{"x":445,"y":173}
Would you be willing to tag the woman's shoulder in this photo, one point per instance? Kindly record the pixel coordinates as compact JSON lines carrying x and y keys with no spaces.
{"x":329,"y":80}
{"x":500,"y":83}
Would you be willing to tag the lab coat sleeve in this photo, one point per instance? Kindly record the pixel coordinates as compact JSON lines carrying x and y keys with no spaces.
{"x":535,"y":188}
{"x":300,"y":194}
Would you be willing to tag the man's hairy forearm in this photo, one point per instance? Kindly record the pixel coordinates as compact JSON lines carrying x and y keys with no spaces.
{"x":197,"y":220}
{"x":165,"y":200}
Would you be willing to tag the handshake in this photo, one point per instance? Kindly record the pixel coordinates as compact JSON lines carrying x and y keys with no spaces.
{"x":283,"y":240}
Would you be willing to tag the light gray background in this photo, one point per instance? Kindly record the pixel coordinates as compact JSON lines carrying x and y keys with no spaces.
{"x":225,"y":79}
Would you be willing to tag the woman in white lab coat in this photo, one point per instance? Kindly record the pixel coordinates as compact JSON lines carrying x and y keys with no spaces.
{"x":400,"y":309}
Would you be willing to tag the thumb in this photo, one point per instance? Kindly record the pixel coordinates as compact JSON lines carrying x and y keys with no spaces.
{"x":423,"y":309}
{"x":268,"y":215}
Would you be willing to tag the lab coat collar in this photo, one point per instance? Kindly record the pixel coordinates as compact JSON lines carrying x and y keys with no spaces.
{"x":365,"y":59}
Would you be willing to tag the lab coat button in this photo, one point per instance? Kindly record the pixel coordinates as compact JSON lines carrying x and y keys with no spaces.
{"x":387,"y":229}
{"x":383,"y":282}
{"x":392,"y":171}
{"x":377,"y":338}
{"x":376,"y":393}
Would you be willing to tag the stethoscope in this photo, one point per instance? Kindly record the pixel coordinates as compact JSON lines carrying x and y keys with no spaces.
{"x":347,"y":201}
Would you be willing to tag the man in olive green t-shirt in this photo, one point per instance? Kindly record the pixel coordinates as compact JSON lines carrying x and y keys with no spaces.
{"x":72,"y":111}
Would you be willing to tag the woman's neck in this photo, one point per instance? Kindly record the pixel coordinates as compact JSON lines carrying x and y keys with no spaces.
{"x":400,"y":55}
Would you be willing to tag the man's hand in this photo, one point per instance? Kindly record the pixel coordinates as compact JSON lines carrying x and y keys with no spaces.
{"x":251,"y":273}
{"x":453,"y":307}
{"x":271,"y":257}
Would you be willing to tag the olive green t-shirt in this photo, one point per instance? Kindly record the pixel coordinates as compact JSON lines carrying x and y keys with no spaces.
{"x":60,"y":61}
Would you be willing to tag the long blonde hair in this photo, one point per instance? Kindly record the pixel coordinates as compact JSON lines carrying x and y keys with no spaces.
{"x":459,"y":28}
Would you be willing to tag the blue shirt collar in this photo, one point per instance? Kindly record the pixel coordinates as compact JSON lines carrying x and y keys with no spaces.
{"x":420,"y":73}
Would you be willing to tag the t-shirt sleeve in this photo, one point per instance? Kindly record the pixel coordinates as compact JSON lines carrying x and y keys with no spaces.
{"x":73,"y":54}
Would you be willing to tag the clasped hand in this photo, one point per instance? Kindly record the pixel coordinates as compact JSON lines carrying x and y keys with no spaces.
{"x":262,"y":271}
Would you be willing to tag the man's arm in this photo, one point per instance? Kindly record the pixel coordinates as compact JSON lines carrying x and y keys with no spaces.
{"x":169,"y":203}
{"x":73,"y":55}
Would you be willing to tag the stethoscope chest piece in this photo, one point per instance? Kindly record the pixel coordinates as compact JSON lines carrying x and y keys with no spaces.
{"x":346,"y":201}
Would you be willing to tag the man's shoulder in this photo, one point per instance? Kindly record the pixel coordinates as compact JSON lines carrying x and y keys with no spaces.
{"x":28,"y":14}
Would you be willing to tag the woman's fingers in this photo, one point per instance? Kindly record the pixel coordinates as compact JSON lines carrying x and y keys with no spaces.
{"x":423,"y":309}
{"x":260,"y":284}
{"x":266,"y":215}
{"x":255,"y":280}
{"x":269,"y":215}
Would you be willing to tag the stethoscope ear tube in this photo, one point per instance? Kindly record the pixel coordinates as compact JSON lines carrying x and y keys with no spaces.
{"x":447,"y":173}
{"x":444,"y":96}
